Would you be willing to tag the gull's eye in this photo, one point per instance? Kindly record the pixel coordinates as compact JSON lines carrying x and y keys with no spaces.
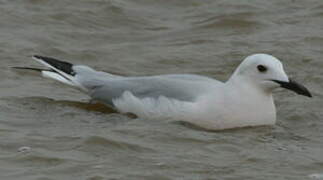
{"x":261,"y":68}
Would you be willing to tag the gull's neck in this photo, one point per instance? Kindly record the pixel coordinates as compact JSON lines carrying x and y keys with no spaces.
{"x":254,"y":105}
{"x":246,"y":85}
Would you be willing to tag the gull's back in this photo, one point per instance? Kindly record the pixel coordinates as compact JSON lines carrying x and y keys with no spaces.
{"x":181,"y":87}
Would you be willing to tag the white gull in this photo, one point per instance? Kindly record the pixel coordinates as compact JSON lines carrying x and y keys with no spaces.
{"x":243,"y":100}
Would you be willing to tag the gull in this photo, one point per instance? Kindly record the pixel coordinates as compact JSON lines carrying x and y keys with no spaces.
{"x":245,"y":99}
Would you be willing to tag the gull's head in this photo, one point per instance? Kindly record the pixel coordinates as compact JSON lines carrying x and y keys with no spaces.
{"x":267,"y":73}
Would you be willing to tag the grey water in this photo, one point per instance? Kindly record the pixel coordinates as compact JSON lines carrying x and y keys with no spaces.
{"x":49,"y":131}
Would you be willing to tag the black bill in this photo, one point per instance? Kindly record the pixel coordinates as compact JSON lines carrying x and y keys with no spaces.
{"x":294,"y":86}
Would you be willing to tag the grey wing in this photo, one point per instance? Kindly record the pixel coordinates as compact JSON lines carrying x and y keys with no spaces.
{"x":184,"y":89}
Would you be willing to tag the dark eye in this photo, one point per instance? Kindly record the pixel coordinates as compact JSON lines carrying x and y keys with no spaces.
{"x":261,"y":68}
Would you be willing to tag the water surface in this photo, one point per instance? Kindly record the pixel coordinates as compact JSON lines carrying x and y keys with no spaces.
{"x":69,"y":139}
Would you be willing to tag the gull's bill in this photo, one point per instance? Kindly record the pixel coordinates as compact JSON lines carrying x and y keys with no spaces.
{"x":294,"y":86}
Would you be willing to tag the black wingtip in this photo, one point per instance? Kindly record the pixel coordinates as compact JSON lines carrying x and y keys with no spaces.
{"x":30,"y":68}
{"x":37,"y":56}
{"x":42,"y":57}
{"x":66,"y":67}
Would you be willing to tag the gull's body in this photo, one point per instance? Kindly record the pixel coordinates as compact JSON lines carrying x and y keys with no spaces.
{"x":244,"y":100}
